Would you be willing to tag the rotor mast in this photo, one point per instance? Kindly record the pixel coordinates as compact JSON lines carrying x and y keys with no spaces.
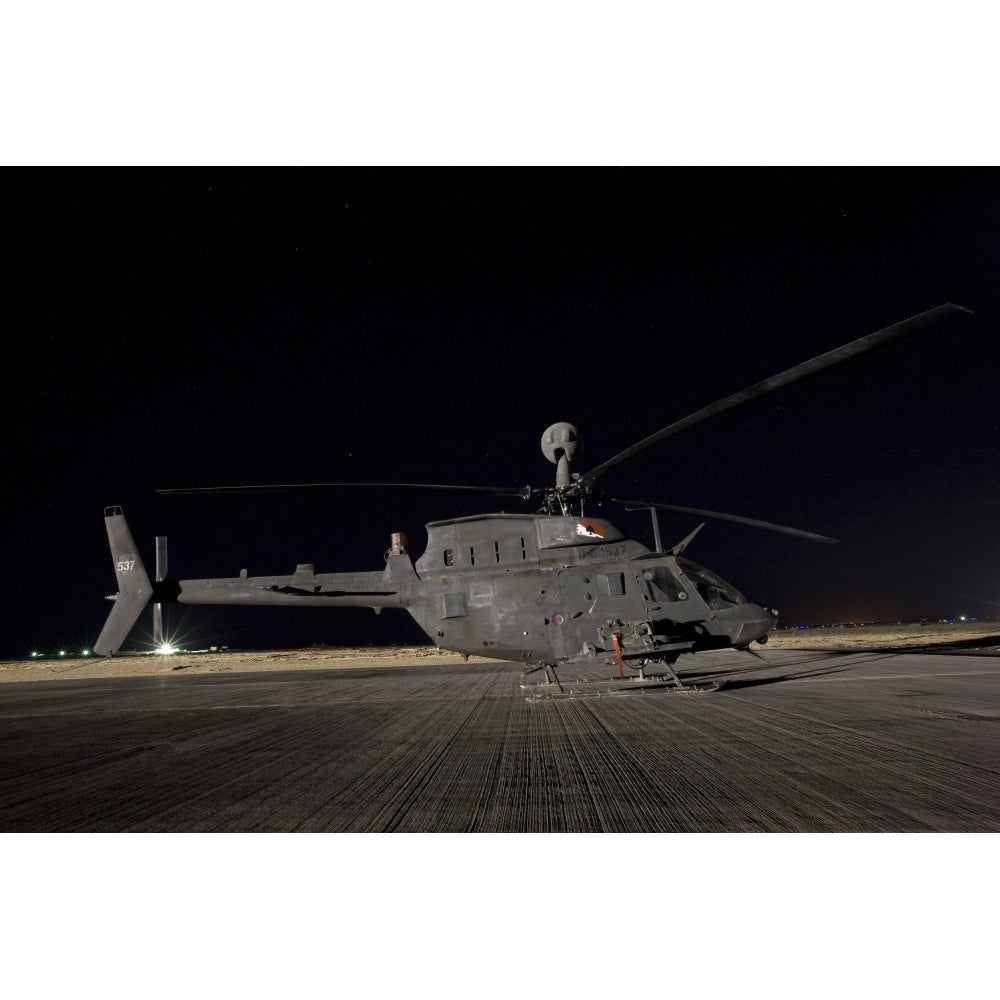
{"x":561,"y":443}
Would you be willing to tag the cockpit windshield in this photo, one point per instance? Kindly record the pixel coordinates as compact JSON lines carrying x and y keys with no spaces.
{"x":714,"y":590}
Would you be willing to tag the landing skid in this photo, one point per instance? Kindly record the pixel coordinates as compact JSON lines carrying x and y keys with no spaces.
{"x":604,"y":687}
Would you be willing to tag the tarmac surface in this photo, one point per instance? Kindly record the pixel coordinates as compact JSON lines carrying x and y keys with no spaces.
{"x":808,"y":741}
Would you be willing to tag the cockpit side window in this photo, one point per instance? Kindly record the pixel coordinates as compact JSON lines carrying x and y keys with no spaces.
{"x":662,"y":584}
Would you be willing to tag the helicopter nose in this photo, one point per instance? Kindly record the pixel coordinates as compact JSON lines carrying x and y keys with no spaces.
{"x":754,"y":624}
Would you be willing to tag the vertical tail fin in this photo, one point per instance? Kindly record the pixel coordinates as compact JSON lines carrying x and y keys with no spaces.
{"x":134,"y":588}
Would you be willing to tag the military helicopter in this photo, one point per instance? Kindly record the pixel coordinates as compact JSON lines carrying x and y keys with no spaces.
{"x":560,"y":585}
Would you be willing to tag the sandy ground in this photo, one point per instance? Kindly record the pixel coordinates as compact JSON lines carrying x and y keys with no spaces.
{"x":901,"y":636}
{"x":228,"y":661}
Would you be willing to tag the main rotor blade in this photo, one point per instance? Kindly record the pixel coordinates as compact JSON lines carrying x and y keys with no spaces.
{"x":524,"y":492}
{"x":881,"y":338}
{"x":812,"y":537}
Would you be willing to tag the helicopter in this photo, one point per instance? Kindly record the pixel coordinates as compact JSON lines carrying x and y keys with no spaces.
{"x":558,"y":585}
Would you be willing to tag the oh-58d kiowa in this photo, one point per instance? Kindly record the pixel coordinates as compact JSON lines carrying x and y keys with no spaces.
{"x":554,"y":586}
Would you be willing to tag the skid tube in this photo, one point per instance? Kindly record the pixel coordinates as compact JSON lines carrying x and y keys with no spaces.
{"x":613,"y":686}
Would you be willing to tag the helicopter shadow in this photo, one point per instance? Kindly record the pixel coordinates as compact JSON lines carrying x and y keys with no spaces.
{"x":798,"y":669}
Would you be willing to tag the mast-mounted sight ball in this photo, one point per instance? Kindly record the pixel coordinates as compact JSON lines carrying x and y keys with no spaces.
{"x":561,"y":440}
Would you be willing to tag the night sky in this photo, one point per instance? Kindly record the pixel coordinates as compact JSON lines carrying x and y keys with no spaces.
{"x":198,"y":327}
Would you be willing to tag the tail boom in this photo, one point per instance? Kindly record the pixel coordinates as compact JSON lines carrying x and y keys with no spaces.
{"x":392,"y":587}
